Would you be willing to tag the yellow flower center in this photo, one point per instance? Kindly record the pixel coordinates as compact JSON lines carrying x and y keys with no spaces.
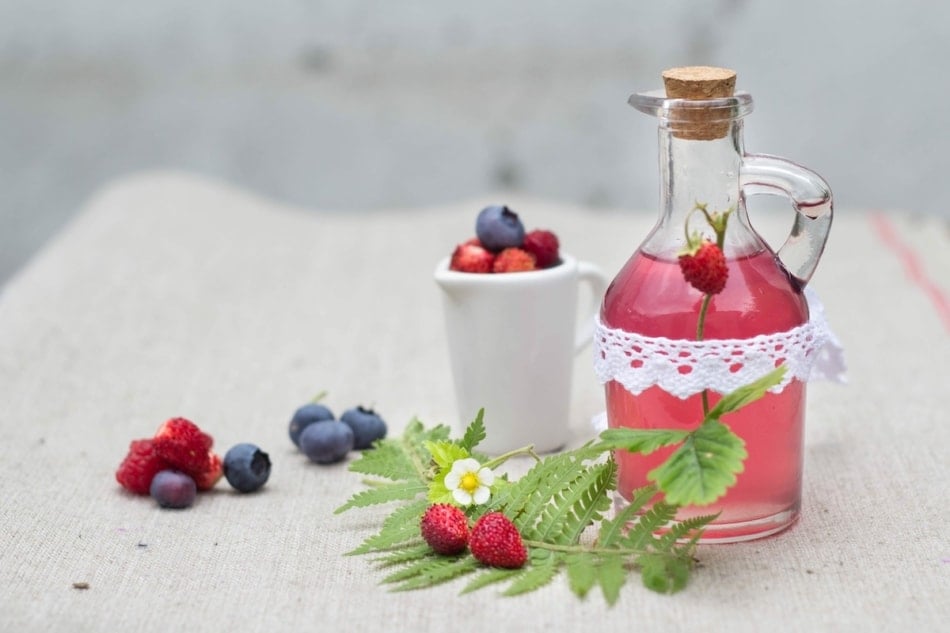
{"x":469,"y":482}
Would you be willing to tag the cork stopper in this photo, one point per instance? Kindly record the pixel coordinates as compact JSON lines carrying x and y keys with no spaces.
{"x":699,"y":83}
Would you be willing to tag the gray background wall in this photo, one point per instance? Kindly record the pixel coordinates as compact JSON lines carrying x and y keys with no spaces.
{"x":349,"y":105}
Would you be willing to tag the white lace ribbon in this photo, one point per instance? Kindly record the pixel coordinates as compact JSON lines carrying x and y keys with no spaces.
{"x":684,"y":367}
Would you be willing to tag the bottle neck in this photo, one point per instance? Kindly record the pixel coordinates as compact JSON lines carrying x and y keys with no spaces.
{"x":704,"y":172}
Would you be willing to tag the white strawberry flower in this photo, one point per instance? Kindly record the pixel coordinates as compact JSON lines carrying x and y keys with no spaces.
{"x":469,"y":482}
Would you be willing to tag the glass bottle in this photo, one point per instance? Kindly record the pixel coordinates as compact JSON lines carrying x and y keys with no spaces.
{"x":702,"y":160}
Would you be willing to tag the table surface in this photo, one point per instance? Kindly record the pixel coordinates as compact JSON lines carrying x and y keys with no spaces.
{"x":172,"y":295}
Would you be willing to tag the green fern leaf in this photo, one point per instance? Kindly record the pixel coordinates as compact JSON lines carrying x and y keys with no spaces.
{"x":611,"y":576}
{"x":688,"y":549}
{"x":581,"y":501}
{"x":475,"y":432}
{"x":510,"y":500}
{"x":555,"y":474}
{"x":405,"y":553}
{"x":489,"y":577}
{"x":416,"y":566}
{"x":534,"y":577}
{"x":435,"y":572}
{"x":612,"y":529}
{"x":643,"y":441}
{"x":388,"y":460}
{"x":686,"y":529}
{"x":399,"y":527}
{"x":582,"y":571}
{"x":592,"y":504}
{"x":413,"y":443}
{"x":525,"y":498}
{"x":663,"y":573}
{"x":641,"y":533}
{"x":403,"y":458}
{"x":383,"y":494}
{"x":704,"y":467}
{"x":531,"y":494}
{"x":513,"y":499}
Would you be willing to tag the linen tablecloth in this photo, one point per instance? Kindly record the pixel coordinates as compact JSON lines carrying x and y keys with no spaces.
{"x":171,"y":295}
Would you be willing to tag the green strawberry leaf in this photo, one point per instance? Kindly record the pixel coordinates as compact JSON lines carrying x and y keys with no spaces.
{"x":438,"y":493}
{"x":445,"y":453}
{"x":643,"y":441}
{"x":747,"y":394}
{"x":703,"y":468}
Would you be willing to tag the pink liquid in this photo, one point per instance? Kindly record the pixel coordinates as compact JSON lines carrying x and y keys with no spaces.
{"x":650,"y":297}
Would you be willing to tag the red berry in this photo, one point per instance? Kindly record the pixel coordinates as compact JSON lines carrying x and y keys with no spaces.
{"x":514,"y":260}
{"x":705,"y":268}
{"x":445,"y":528}
{"x":495,"y":541}
{"x":206,"y":479}
{"x":472,"y":257}
{"x":184,"y":446}
{"x":544,"y":246}
{"x":140,"y":465}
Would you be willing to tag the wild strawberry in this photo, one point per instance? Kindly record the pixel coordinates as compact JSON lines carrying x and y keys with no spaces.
{"x":140,"y":465}
{"x":544,"y":246}
{"x":514,"y":260}
{"x":704,"y":267}
{"x":471,"y":257}
{"x":445,"y":528}
{"x":213,"y":471}
{"x":495,"y":541}
{"x":183,"y":445}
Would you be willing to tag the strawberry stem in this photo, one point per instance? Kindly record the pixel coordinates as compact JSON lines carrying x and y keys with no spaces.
{"x":693,"y":241}
{"x":718,"y":223}
{"x":586,"y":549}
{"x":700,"y":328}
{"x":705,"y":211}
{"x":501,"y":459}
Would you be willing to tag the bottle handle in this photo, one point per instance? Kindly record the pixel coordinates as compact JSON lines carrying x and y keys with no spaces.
{"x":811,"y":198}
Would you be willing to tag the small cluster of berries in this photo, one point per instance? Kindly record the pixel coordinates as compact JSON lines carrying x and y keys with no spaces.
{"x":493,"y":540}
{"x":177,"y":462}
{"x":326,"y":440}
{"x":501,"y":245}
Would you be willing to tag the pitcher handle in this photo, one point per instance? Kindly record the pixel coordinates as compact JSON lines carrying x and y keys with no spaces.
{"x":596,"y":280}
{"x":811,"y":198}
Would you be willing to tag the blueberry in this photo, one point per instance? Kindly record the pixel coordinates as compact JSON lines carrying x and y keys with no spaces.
{"x":327,"y":442}
{"x":305,"y":416}
{"x":366,"y":424}
{"x":246,"y":467}
{"x":498,"y":227}
{"x":173,"y":489}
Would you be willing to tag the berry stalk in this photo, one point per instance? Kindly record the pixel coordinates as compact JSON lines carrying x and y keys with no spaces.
{"x":694,"y":241}
{"x":700,"y":327}
{"x":501,"y":459}
{"x":582,"y":548}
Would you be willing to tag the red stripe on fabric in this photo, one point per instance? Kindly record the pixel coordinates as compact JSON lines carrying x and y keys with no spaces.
{"x":912,"y":266}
